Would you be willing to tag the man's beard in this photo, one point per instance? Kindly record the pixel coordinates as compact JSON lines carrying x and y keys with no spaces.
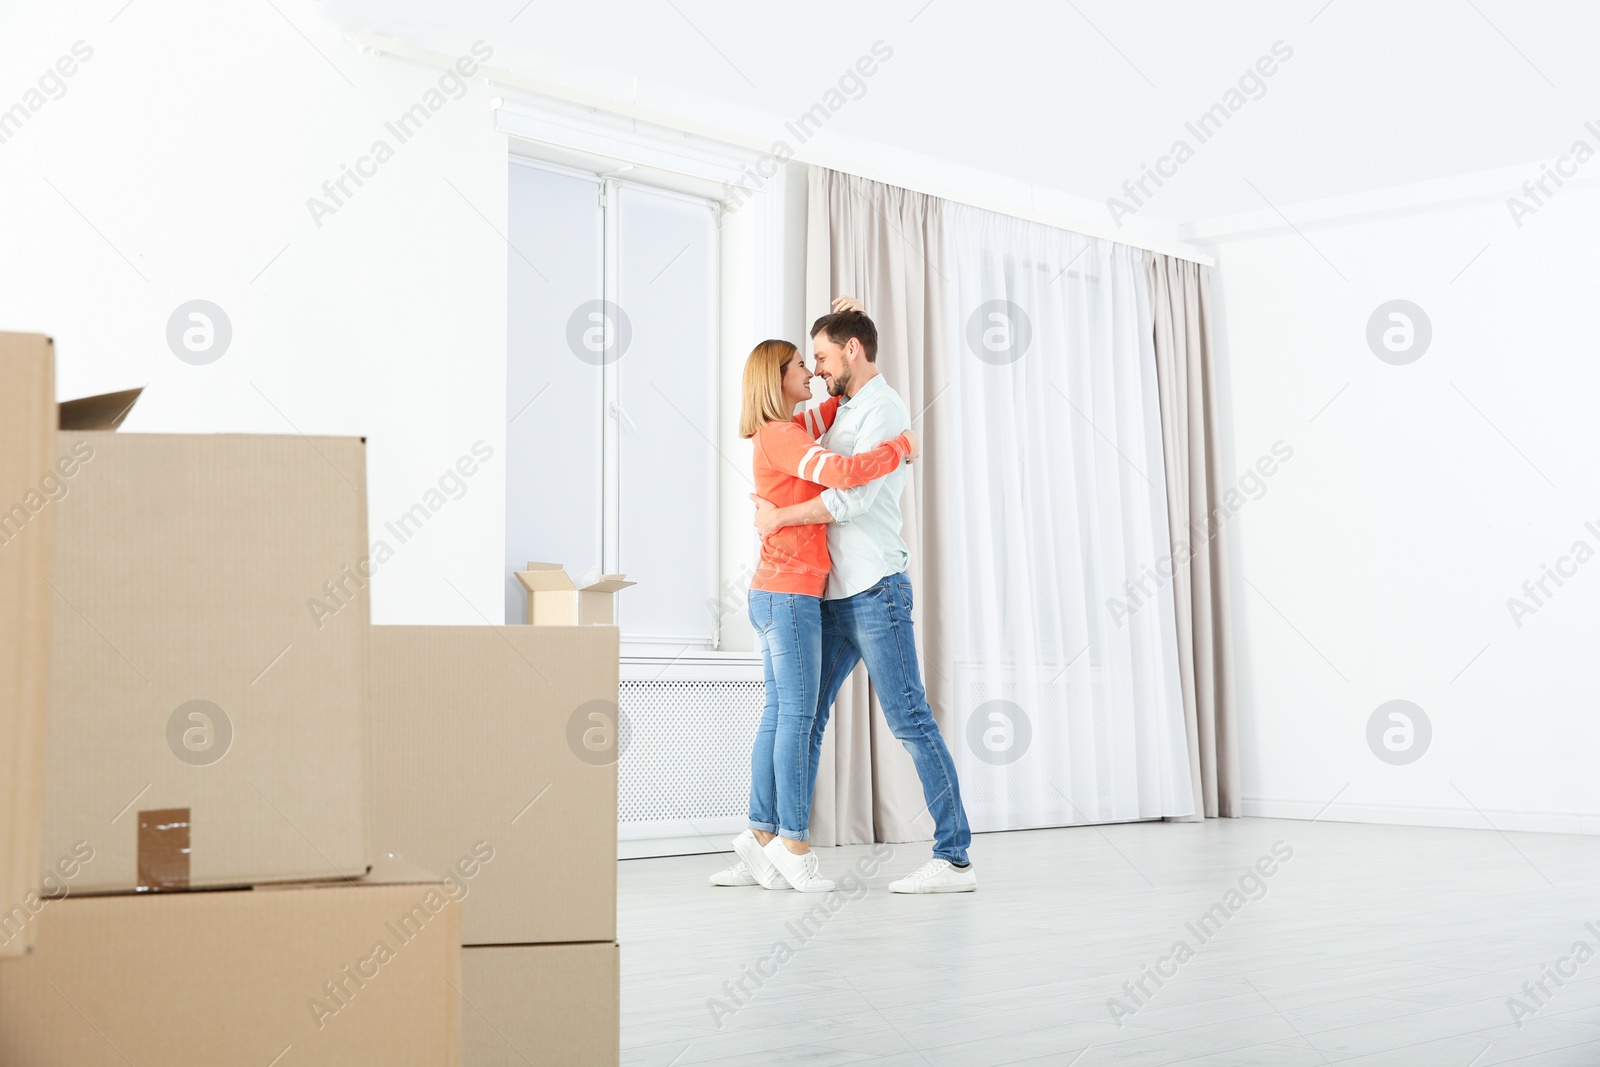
{"x":838,"y":384}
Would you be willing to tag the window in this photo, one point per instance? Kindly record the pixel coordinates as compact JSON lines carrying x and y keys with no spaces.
{"x":611,"y":377}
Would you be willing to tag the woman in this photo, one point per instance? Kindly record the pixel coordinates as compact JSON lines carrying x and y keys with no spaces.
{"x":786,"y":610}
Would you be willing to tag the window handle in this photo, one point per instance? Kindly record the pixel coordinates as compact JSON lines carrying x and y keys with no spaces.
{"x":618,"y":413}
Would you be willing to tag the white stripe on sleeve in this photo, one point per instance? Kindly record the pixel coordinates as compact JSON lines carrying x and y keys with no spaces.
{"x":815,"y":451}
{"x":816,"y":473}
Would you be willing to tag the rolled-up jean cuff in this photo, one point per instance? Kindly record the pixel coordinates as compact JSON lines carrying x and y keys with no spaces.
{"x":795,"y":835}
{"x":764,"y":827}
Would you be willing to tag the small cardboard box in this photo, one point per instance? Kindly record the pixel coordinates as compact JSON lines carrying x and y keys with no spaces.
{"x":330,"y":973}
{"x":498,"y":744}
{"x":555,"y":598}
{"x":30,"y":484}
{"x":208,"y":697}
{"x":525,"y":1004}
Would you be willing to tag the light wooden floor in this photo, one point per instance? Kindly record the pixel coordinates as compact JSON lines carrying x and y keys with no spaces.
{"x":1372,"y":945}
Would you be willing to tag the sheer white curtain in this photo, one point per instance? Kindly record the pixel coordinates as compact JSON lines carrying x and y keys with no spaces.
{"x":1052,"y":525}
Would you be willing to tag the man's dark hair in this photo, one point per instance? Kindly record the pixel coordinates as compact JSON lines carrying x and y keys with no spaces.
{"x":843,"y":325}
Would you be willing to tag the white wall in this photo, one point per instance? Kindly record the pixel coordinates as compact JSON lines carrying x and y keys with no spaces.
{"x":758,"y":302}
{"x":191,"y":141}
{"x":1378,"y":562}
{"x":185,"y":150}
{"x":178,"y":161}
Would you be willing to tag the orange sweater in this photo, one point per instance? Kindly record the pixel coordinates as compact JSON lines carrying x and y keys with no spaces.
{"x":791,"y":468}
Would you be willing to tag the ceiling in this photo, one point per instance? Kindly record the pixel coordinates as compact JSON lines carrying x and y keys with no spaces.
{"x":1080,"y":95}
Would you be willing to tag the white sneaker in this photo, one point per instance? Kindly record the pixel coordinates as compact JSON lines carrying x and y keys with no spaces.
{"x":937,"y":876}
{"x":761,"y":869}
{"x":738,"y":874}
{"x":799,"y":870}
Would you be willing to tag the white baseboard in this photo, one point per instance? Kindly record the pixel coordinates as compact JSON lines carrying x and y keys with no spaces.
{"x":719,"y":831}
{"x":1462,"y":818}
{"x":649,"y":848}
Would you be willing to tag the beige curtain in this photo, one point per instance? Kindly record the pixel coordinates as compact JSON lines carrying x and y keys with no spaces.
{"x":883,"y":245}
{"x":1180,"y":304}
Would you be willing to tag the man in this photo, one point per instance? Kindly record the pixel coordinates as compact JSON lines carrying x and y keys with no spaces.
{"x":866,"y":610}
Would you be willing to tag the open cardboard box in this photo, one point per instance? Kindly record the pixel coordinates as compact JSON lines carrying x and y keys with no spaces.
{"x":555,"y":598}
{"x":207,"y":717}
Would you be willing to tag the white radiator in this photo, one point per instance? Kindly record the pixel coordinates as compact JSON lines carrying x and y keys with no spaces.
{"x":685,"y":765}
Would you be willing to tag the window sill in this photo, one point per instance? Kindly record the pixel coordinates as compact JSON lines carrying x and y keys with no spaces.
{"x":645,"y":664}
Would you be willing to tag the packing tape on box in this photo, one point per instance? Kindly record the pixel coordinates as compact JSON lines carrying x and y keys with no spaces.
{"x":163,"y":850}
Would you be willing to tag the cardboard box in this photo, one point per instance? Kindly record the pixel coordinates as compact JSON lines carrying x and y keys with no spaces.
{"x":208,"y":700}
{"x":555,"y":598}
{"x":525,"y":1004}
{"x":29,"y":484}
{"x":332,"y":973}
{"x":494,"y":758}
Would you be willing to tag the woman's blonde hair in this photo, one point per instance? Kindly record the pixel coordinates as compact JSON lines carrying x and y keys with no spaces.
{"x":763,"y":386}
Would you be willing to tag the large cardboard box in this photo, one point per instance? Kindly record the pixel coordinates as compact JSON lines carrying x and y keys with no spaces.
{"x":30,"y":484}
{"x":328,"y":973}
{"x":527,"y":1004}
{"x":494,"y":752}
{"x":208,"y":720}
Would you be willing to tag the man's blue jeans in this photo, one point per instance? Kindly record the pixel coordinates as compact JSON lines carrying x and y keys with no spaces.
{"x":781,"y":774}
{"x":875,"y":626}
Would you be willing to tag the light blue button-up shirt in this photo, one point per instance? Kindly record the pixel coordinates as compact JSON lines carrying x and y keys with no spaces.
{"x":864,"y":538}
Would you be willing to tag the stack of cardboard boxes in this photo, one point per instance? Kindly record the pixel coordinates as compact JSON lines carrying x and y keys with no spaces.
{"x":495,"y":757}
{"x":212,"y":807}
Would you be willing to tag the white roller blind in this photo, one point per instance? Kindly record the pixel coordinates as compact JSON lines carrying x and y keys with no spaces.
{"x":554,"y":398}
{"x":611,"y":390}
{"x":666,"y":281}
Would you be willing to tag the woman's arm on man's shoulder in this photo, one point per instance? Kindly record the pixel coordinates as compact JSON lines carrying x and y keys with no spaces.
{"x":815,"y":419}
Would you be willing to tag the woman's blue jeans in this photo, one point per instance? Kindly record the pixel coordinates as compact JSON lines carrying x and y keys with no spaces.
{"x":790,"y":626}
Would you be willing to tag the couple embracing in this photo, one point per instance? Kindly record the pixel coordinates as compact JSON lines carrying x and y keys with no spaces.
{"x":831,"y":591}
